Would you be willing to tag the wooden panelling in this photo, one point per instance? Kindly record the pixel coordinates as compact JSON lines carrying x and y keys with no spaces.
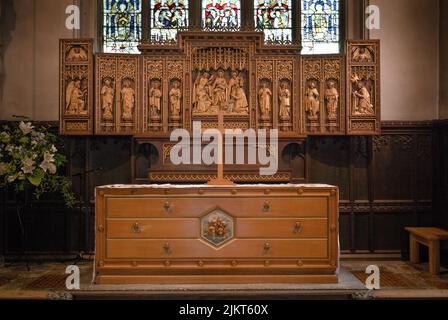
{"x":440,"y":173}
{"x":386,"y":182}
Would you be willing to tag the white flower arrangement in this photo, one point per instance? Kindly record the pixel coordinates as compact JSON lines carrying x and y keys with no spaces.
{"x":29,"y":158}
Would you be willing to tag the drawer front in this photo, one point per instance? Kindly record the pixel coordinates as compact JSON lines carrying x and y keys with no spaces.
{"x":281,"y":228}
{"x":136,"y":207}
{"x":152,"y":228}
{"x":189,"y":228}
{"x":196,"y":249}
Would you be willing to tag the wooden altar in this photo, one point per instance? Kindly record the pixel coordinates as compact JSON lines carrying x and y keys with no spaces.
{"x":216,"y":234}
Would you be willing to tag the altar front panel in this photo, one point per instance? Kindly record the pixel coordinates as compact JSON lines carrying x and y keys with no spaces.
{"x":198,"y":234}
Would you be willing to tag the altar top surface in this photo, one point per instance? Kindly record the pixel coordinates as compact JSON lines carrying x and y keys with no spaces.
{"x":207,"y":186}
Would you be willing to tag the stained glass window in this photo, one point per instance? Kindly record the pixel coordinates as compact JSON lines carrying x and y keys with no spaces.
{"x":122,"y":25}
{"x":167,"y":17}
{"x":221,"y":15}
{"x":320,"y":26}
{"x":274,"y":18}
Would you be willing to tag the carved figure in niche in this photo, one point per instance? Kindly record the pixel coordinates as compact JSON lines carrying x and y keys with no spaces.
{"x":127,"y":100}
{"x":107,"y":99}
{"x":77,"y":54}
{"x":312,"y":101}
{"x":201,"y":97}
{"x":332,"y":100}
{"x":238,"y":99}
{"x":234,"y":82}
{"x":284,"y":97}
{"x":175,"y":97}
{"x":155,"y":96}
{"x":362,"y":54}
{"x":264,"y":97}
{"x":75,"y":98}
{"x":219,"y":89}
{"x":363,"y":103}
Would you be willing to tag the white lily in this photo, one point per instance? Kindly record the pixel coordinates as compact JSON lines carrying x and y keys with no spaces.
{"x":28,"y":165}
{"x":26,"y":127}
{"x":51,"y":167}
{"x":47,"y":163}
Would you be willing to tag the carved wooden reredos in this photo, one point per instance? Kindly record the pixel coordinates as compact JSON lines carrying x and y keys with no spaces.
{"x":257,"y":85}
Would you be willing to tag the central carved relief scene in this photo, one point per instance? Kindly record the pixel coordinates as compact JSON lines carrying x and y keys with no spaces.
{"x":220,"y":90}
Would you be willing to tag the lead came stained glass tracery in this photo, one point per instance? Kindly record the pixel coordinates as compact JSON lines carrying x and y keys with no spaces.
{"x":320,"y":26}
{"x":274,"y":18}
{"x":224,"y":15}
{"x":122,"y":25}
{"x":167,"y":17}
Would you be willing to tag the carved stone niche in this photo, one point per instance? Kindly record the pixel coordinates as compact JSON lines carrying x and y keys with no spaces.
{"x":76,"y":87}
{"x":117,"y":94}
{"x":285,"y":105}
{"x":311,"y":105}
{"x":155,"y":94}
{"x":323,"y":95}
{"x":363,"y":87}
{"x":175,"y":103}
{"x":220,"y":82}
{"x":333,"y":96}
{"x":265,"y":103}
{"x":106,"y":115}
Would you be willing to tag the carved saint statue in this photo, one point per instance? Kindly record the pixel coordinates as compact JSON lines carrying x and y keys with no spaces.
{"x":237,"y":97}
{"x":155,"y":95}
{"x":312,"y":101}
{"x":284,"y":97}
{"x":363,"y":102}
{"x":362,"y":54}
{"x":107,"y":99}
{"x":175,"y":97}
{"x":219,"y":89}
{"x":332,"y":100}
{"x":75,"y":98}
{"x":77,"y":54}
{"x":201,"y":97}
{"x":127,"y":100}
{"x":264,"y":98}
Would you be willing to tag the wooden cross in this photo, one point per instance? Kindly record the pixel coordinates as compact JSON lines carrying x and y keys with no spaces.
{"x":220,"y":180}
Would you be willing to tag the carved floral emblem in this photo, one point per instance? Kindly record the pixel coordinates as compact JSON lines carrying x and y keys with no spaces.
{"x":217,"y":227}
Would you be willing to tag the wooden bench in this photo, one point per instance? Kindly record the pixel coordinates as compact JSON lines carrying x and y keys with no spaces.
{"x":431,"y":238}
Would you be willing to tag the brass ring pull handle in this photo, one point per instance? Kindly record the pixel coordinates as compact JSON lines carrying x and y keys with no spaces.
{"x":267,"y":247}
{"x":298,"y":227}
{"x":167,"y":207}
{"x":267,"y":206}
{"x":136,"y":228}
{"x":167,"y":248}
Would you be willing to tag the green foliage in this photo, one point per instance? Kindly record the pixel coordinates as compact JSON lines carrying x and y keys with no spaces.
{"x":30,"y":160}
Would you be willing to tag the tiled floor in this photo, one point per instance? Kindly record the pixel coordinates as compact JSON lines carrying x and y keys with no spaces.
{"x":400,"y":275}
{"x":17,"y":282}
